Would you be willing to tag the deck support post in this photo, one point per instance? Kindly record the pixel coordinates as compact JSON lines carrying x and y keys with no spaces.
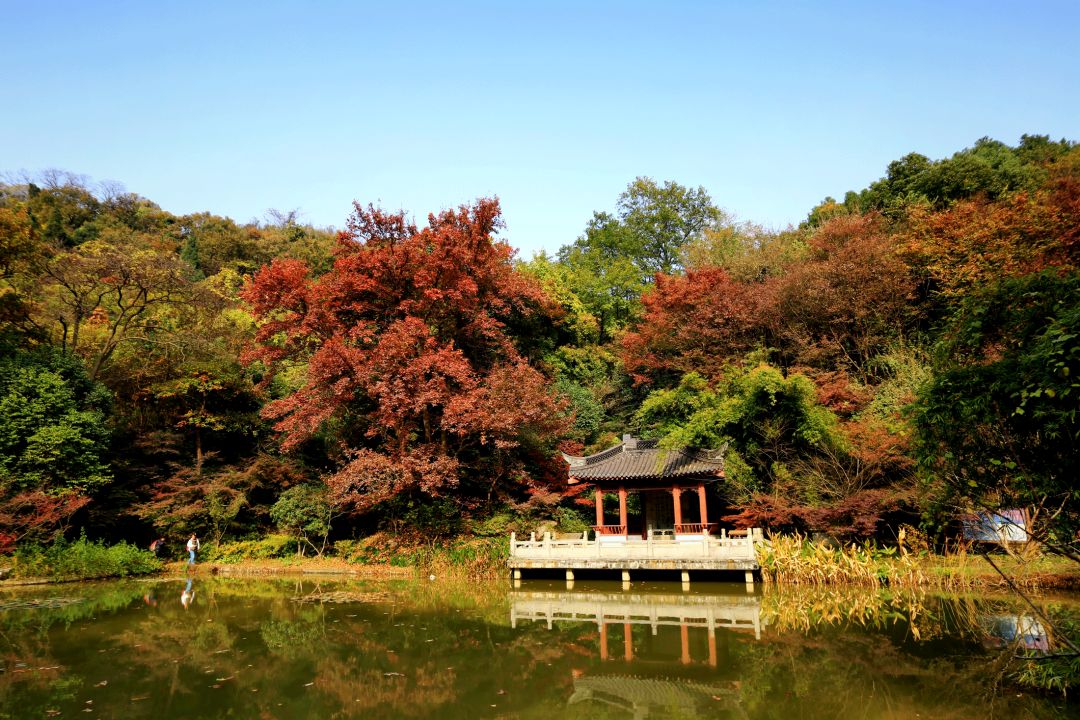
{"x":750,"y":580}
{"x":626,"y":578}
{"x":685,"y":580}
{"x":517,"y":573}
{"x":569,"y":579}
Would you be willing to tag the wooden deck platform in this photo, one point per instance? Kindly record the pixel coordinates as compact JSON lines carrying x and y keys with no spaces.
{"x":683,"y":553}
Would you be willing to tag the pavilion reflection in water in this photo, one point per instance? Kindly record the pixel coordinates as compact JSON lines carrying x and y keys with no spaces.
{"x":694,"y":680}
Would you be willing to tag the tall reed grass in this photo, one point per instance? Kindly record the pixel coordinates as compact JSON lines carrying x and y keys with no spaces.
{"x":793,"y":559}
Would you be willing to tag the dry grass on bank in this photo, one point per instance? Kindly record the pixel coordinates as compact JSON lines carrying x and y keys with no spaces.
{"x":794,"y":560}
{"x":305,"y":566}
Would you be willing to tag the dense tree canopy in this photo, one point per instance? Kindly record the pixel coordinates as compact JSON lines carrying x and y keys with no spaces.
{"x":907,"y":352}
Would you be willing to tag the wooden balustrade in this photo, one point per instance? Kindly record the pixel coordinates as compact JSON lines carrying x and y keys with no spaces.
{"x":609,"y":529}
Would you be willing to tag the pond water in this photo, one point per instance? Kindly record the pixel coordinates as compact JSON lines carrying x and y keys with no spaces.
{"x":326,"y":648}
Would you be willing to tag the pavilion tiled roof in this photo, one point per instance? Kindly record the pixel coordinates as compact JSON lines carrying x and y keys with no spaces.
{"x":635,"y":459}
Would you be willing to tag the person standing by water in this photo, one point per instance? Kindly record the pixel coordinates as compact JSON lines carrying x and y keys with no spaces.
{"x":157,"y":546}
{"x":192,"y":547}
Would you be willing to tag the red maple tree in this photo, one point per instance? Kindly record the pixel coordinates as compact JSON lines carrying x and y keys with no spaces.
{"x":408,"y":347}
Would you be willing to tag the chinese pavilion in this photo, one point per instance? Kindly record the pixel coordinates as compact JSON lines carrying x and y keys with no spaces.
{"x":666,"y":480}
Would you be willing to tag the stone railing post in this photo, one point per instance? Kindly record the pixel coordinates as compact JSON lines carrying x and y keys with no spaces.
{"x":513,"y":545}
{"x":547,"y":544}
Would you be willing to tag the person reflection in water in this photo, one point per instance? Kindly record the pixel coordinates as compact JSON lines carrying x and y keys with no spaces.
{"x":187,"y":596}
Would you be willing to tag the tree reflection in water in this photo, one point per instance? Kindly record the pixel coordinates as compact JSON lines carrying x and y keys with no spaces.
{"x":307,"y":649}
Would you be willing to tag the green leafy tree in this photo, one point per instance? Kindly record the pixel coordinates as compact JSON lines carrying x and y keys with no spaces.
{"x":601,"y":271}
{"x":997,"y":424}
{"x":989,"y":169}
{"x":305,"y":512}
{"x":661,"y":219}
{"x":53,"y":433}
{"x":767,"y":421}
{"x":53,"y":443}
{"x":587,"y":411}
{"x":618,"y":255}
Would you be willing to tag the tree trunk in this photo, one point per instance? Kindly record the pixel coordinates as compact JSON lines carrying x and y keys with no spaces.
{"x":198,"y":452}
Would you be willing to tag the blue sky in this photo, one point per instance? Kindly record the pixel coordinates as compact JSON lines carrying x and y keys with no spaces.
{"x":237,"y":107}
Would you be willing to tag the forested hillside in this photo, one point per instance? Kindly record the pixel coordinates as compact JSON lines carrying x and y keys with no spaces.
{"x":904,"y":355}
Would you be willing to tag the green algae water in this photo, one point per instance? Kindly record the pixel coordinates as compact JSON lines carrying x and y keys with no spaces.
{"x":240,"y":648}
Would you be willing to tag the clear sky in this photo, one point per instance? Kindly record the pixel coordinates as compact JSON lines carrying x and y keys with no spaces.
{"x":237,"y":107}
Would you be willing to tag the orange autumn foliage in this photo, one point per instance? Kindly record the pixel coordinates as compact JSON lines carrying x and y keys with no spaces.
{"x":976,"y":242}
{"x":697,"y":322}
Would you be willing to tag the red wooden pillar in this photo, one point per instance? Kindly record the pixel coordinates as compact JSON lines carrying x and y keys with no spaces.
{"x":603,"y":640}
{"x":622,"y":509}
{"x":712,"y":648}
{"x":628,"y":642}
{"x":676,"y":495}
{"x":599,"y":507}
{"x":684,"y":637}
{"x":704,"y":511}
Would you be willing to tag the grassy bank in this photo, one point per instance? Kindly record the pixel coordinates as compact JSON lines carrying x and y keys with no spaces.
{"x":793,"y":560}
{"x":82,"y":559}
{"x":379,"y":554}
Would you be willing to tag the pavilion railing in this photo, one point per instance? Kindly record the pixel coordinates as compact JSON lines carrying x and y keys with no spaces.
{"x":696,"y":528}
{"x":609,"y":529}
